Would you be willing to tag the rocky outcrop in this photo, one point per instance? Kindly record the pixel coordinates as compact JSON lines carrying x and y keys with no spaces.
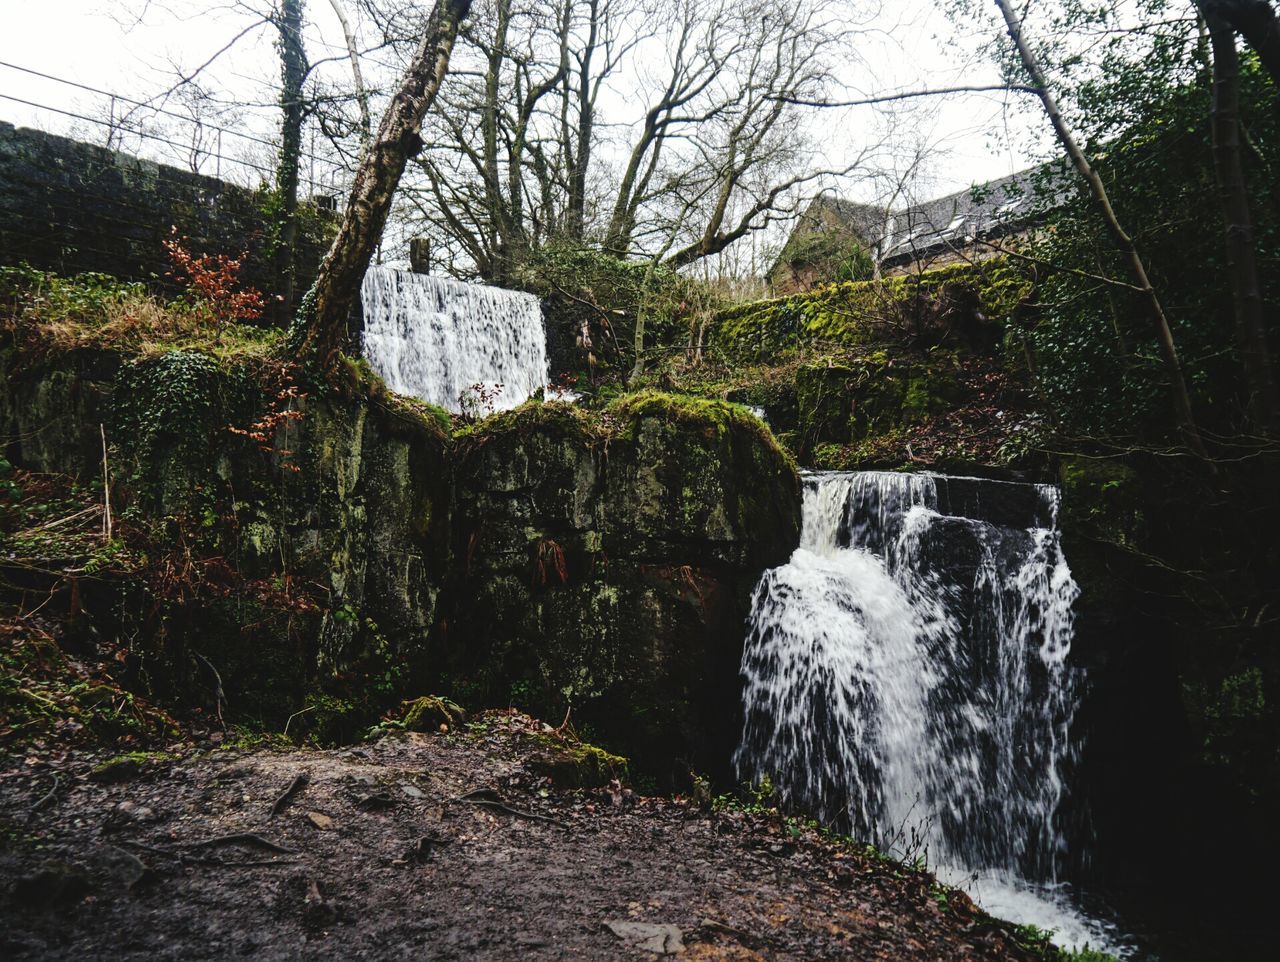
{"x":352,"y":551}
{"x":606,"y":563}
{"x":313,"y":556}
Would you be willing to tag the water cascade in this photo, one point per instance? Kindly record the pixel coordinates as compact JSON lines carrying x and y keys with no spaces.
{"x":906,"y":679}
{"x":435,"y":338}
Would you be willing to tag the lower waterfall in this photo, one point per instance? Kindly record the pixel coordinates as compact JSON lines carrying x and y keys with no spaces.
{"x":441,"y":340}
{"x":906,"y":679}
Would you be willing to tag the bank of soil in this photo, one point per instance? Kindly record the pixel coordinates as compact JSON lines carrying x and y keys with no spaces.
{"x":449,"y":845}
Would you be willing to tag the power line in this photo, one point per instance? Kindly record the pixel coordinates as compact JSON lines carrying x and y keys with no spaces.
{"x":143,"y":104}
{"x":216,"y":155}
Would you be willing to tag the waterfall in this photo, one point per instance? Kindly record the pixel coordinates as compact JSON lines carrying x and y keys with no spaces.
{"x":435,"y":338}
{"x":906,"y":679}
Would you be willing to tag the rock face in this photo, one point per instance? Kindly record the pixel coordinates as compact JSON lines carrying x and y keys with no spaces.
{"x":311,"y":571}
{"x":545,"y":557}
{"x":606,"y":564}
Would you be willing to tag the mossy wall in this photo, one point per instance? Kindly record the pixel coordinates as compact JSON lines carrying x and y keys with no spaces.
{"x":607,"y":562}
{"x":547,"y":557}
{"x":309,"y":564}
{"x":963,"y":303}
{"x":74,"y":208}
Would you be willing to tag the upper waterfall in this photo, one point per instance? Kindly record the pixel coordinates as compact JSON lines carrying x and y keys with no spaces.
{"x":434,"y":338}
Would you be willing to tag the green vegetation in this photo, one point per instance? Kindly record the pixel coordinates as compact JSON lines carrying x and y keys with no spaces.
{"x":893,"y":309}
{"x":571,"y":763}
{"x":691,"y":412}
{"x":45,"y":694}
{"x":830,"y":255}
{"x":428,"y":713}
{"x":45,"y":315}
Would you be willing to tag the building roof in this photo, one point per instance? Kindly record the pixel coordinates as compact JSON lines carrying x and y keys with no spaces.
{"x":980,"y":212}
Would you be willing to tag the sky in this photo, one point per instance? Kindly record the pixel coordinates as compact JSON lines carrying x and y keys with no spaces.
{"x":908,"y":44}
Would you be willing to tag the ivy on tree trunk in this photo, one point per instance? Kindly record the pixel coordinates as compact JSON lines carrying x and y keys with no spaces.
{"x":293,"y":73}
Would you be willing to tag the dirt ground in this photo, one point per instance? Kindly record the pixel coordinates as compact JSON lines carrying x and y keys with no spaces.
{"x":435,"y":846}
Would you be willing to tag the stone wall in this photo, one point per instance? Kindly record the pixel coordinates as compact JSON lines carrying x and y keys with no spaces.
{"x":547,"y":557}
{"x":73,"y":207}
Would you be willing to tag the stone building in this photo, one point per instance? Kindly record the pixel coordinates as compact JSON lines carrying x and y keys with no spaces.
{"x":837,"y":239}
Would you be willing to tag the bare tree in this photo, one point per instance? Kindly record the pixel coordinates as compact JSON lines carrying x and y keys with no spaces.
{"x":520,"y":154}
{"x":357,"y":72}
{"x":320,"y":329}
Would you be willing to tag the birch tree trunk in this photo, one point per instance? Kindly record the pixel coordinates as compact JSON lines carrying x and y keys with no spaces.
{"x":320,"y":329}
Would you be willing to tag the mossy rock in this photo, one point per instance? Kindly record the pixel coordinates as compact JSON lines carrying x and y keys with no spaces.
{"x":574,"y":764}
{"x":126,"y":767}
{"x":935,"y":306}
{"x":823,"y":404}
{"x":428,"y":713}
{"x":332,"y":720}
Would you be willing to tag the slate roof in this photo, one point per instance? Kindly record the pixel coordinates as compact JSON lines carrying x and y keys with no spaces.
{"x":985,"y":211}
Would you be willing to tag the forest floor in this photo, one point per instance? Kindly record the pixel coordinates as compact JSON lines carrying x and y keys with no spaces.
{"x":450,"y":845}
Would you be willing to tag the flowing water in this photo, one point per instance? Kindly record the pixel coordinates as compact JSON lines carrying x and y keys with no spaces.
{"x":453,"y":344}
{"x":907,"y":680}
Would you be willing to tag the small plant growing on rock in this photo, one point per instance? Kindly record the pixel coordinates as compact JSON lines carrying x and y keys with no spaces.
{"x":478,"y":400}
{"x":280,"y":412}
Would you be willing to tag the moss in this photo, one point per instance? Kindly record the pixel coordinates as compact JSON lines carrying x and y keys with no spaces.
{"x":857,"y":313}
{"x":430,"y":415}
{"x":48,"y":316}
{"x":1102,"y":499}
{"x":428,"y":713}
{"x":704,"y":414}
{"x":328,"y":719}
{"x":554,"y":419}
{"x":573,"y":764}
{"x":119,"y":768}
{"x":929,"y":391}
{"x":823,"y":403}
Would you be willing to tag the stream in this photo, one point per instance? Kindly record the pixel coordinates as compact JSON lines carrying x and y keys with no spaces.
{"x":907,"y":679}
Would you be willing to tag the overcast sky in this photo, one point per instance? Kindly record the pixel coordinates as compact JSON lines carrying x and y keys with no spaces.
{"x":909,"y":44}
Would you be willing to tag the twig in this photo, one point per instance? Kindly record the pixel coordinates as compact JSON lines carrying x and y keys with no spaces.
{"x":106,"y":487}
{"x":489,"y":798}
{"x":746,"y":938}
{"x":92,"y":509}
{"x":240,"y":838}
{"x":298,"y":784}
{"x":201,"y":859}
{"x":45,"y":798}
{"x":295,"y":715}
{"x":220,"y":698}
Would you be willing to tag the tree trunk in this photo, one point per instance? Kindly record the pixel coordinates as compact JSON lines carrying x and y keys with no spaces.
{"x":353,"y":55}
{"x":1255,"y":20}
{"x":321,"y":327}
{"x":293,"y":74}
{"x":1137,"y":269}
{"x":575,"y":213}
{"x":1242,"y":264}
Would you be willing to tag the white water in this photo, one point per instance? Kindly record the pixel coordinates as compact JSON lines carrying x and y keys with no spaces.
{"x":435,"y":338}
{"x":906,"y":678}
